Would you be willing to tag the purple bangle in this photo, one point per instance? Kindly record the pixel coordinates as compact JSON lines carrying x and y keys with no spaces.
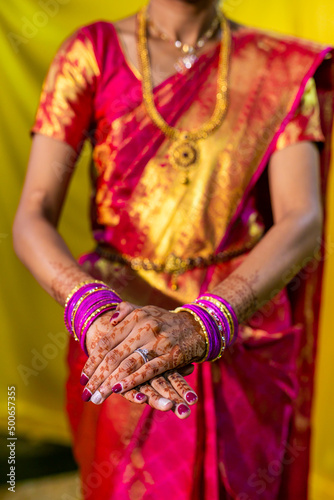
{"x":88,"y":311}
{"x":94,"y":297}
{"x":213,"y":309}
{"x":92,"y":302}
{"x":81,"y":305}
{"x":75,"y":298}
{"x":91,"y":299}
{"x":70,"y":304}
{"x":231,"y":311}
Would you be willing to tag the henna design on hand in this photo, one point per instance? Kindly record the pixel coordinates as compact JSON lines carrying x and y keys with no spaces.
{"x":66,"y":279}
{"x":239,"y":292}
{"x":174,"y":339}
{"x":99,"y":329}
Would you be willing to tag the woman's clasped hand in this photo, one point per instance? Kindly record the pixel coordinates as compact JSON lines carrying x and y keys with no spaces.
{"x":170,"y":341}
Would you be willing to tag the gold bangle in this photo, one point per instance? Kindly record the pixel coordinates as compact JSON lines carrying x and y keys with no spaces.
{"x":75,"y":336}
{"x":205,"y":335}
{"x":95,"y":313}
{"x":77,"y":287}
{"x":230,"y":321}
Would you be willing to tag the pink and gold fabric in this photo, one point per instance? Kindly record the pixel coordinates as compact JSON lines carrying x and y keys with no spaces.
{"x":249,"y":435}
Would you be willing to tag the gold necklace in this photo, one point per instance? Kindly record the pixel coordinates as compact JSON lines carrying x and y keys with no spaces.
{"x":189,"y":56}
{"x":184,"y":152}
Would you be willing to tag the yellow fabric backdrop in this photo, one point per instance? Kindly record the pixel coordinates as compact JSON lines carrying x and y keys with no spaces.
{"x":32,"y":332}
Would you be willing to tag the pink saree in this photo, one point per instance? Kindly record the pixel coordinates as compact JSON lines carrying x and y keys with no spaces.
{"x":249,"y":435}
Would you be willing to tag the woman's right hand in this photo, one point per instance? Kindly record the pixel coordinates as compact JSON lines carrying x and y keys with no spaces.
{"x":169,"y":391}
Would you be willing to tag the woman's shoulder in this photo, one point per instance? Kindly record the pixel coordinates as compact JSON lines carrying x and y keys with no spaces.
{"x":94,"y":36}
{"x":100,"y":38}
{"x":96,"y":30}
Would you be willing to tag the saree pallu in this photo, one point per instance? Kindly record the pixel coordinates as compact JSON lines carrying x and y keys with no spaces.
{"x":248,"y":436}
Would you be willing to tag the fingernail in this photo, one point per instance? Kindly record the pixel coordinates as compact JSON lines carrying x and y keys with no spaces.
{"x":182,"y":409}
{"x":140,"y":396}
{"x":86,"y":395}
{"x":117,"y":388}
{"x":83,"y":379}
{"x":97,"y":398}
{"x":191,"y":397}
{"x":114,"y":316}
{"x":163,"y":402}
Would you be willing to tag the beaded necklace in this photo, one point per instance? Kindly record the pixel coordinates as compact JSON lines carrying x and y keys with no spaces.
{"x":189,"y":56}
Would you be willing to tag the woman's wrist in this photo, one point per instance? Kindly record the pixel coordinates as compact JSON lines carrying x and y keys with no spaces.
{"x":216,"y":323}
{"x":198,"y":332}
{"x":240,"y":292}
{"x":85,"y":304}
{"x":98,"y":329}
{"x":67,"y":278}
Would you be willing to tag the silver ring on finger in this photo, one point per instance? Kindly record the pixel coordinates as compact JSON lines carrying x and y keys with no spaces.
{"x":143,"y":353}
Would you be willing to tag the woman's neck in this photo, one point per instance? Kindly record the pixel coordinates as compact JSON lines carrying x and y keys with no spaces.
{"x":183,"y":20}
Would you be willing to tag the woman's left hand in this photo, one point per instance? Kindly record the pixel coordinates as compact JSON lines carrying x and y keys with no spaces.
{"x":172,"y":340}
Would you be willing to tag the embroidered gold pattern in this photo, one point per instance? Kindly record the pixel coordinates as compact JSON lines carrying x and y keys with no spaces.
{"x":71,"y":72}
{"x":307,"y":110}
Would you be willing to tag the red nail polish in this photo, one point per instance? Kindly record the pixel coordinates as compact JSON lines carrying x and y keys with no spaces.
{"x":114,"y":316}
{"x":191,"y":397}
{"x":117,"y":388}
{"x":140,"y":396}
{"x":86,"y":395}
{"x":83,"y":379}
{"x":182,"y":409}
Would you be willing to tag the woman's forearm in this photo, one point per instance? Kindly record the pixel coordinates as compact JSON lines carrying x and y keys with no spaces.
{"x":44,"y":252}
{"x":286,"y":246}
{"x":36,"y":239}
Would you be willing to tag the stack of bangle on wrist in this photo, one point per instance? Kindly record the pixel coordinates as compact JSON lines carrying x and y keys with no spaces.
{"x":85,"y":303}
{"x":218,"y":322}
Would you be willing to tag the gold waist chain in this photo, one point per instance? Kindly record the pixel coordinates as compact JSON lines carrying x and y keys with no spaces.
{"x":173,"y":264}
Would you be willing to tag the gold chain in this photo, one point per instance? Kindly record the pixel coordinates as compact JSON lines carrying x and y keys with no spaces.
{"x":184,"y":152}
{"x":221,"y":102}
{"x":174,"y":265}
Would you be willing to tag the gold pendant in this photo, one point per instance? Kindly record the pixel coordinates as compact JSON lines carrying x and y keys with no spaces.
{"x":184,"y":154}
{"x":185,"y":63}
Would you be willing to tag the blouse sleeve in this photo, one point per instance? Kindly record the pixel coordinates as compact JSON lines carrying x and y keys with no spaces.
{"x":305,"y":125}
{"x":65,"y":109}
